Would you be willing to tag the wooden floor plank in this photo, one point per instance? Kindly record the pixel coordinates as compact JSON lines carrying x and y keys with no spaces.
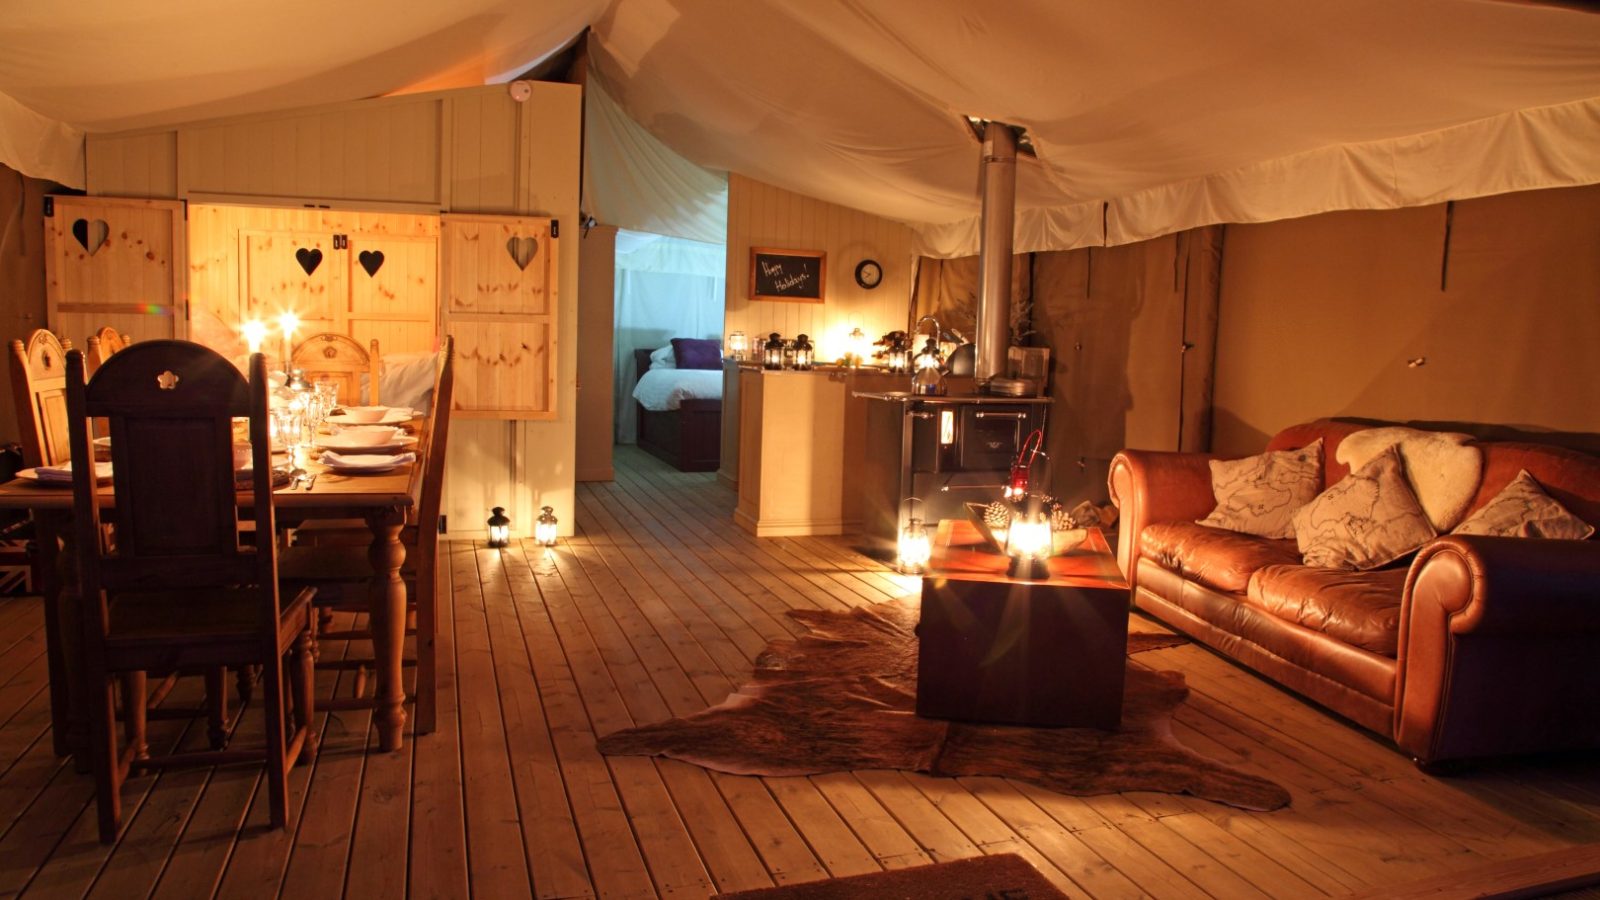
{"x":656,"y":608}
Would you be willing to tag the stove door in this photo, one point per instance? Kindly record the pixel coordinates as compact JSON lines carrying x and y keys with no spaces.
{"x":991,"y":435}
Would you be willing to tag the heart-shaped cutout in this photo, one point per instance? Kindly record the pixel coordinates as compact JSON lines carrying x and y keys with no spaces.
{"x":522,"y":250}
{"x":91,"y":234}
{"x":308,"y":258}
{"x":371,"y":260}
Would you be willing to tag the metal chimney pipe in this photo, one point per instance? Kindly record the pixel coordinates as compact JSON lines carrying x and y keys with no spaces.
{"x":999,"y":196}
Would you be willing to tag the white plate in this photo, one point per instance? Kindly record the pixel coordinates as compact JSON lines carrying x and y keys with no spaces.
{"x":392,"y":417}
{"x":102,"y":472}
{"x":365,"y":463}
{"x":332,"y":442}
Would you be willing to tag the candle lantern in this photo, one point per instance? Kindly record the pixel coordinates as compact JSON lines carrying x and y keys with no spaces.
{"x":1028,"y":543}
{"x":915,"y":549}
{"x":772,"y":352}
{"x":804,"y":353}
{"x":544,"y":530}
{"x":737,"y":345}
{"x":856,"y":348}
{"x":899,"y":356}
{"x":499,"y":528}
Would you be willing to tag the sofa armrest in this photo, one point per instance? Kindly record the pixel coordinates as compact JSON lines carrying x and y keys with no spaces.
{"x":1497,"y":639}
{"x":1150,"y":486}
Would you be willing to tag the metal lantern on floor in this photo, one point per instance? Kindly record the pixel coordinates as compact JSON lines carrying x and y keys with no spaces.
{"x":544,"y":530}
{"x":772,"y":352}
{"x":915,"y":548}
{"x":499,"y":528}
{"x":804,"y":353}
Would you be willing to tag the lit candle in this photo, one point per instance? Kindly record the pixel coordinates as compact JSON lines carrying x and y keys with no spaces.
{"x":254,"y":331}
{"x":287,"y":323}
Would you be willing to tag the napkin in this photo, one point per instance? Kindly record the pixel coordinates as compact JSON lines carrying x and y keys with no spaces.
{"x":365,"y":460}
{"x":62,"y":474}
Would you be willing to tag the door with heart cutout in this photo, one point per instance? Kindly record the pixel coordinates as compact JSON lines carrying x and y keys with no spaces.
{"x":114,"y":262}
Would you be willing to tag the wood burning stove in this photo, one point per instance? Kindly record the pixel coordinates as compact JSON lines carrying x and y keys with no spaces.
{"x":945,"y":451}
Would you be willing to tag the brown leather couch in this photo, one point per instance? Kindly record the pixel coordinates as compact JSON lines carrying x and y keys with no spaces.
{"x":1480,"y":646}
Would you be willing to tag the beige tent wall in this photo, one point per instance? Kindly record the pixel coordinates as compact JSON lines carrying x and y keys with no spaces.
{"x":473,"y":150}
{"x":597,"y":278}
{"x":1343,"y":314}
{"x":760,"y":215}
{"x":1130,"y":331}
{"x":22,"y":295}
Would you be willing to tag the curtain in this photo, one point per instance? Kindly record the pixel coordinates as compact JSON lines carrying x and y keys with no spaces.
{"x":665,"y":288}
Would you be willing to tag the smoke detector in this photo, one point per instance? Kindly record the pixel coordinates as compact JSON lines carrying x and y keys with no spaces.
{"x":520,"y":90}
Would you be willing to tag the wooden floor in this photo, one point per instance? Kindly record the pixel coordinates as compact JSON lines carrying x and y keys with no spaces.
{"x":657,"y":608}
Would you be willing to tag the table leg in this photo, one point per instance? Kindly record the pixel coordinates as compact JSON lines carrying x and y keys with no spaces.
{"x":386,"y":611}
{"x":63,"y":634}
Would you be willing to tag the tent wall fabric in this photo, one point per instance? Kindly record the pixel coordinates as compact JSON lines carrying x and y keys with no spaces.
{"x":635,"y":182}
{"x":39,"y":147}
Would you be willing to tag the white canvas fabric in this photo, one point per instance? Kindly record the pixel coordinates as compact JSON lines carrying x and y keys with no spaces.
{"x":1149,"y":117}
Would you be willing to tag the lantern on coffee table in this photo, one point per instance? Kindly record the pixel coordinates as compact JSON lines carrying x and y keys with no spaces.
{"x":1029,"y":544}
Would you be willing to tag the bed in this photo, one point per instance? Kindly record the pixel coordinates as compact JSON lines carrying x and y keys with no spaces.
{"x":689,"y":437}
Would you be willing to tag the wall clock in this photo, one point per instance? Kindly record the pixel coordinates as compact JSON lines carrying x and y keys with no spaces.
{"x":869,"y":274}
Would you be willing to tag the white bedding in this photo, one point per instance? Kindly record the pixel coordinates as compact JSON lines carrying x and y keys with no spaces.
{"x":663,"y":389}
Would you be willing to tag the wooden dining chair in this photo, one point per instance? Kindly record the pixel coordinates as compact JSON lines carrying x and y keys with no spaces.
{"x":38,"y":385}
{"x":340,"y":569}
{"x":335,"y":357}
{"x":102,"y":345}
{"x":179,"y":591}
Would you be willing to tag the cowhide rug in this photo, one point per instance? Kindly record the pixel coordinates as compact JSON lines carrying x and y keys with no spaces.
{"x":842,"y":698}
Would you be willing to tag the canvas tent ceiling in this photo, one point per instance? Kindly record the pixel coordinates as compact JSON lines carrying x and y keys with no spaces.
{"x":1148,"y":115}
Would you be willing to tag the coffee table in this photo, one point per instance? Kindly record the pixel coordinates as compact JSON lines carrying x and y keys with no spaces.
{"x":1001,"y":650}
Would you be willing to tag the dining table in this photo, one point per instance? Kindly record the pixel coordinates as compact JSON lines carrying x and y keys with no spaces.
{"x":380,"y":498}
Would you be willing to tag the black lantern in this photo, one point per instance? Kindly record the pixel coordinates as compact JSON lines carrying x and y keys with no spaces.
{"x":804,"y":353}
{"x":899,"y":355}
{"x":772,"y":352}
{"x":499,"y":528}
{"x":544,"y":530}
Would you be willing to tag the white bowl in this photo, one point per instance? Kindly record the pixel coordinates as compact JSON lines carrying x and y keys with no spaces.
{"x":366,"y":415}
{"x":368,"y":437}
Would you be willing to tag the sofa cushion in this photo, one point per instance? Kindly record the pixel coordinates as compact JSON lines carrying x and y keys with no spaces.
{"x":1570,"y":478}
{"x":1523,"y":509}
{"x":1219,"y":559}
{"x":1259,"y":494}
{"x":1367,"y":520}
{"x":1442,"y":467}
{"x":1358,"y":608}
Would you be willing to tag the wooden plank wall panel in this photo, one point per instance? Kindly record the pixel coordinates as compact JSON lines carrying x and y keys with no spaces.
{"x":342,"y":152}
{"x":133,"y":165}
{"x":484,"y":148}
{"x":129,"y":265}
{"x":760,"y":215}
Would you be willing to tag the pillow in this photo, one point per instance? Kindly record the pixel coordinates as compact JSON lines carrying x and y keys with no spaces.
{"x":1523,"y":509}
{"x":662,"y":358}
{"x":406,"y":379}
{"x":1368,"y":519}
{"x":697,"y":353}
{"x":1259,"y":495}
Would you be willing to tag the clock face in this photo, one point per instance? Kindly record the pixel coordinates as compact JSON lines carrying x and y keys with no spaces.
{"x":869,"y":273}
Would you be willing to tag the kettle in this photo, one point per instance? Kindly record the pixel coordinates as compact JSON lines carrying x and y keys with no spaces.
{"x":929,"y":382}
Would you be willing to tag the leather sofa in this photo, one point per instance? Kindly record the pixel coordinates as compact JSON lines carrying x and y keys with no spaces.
{"x":1479,"y":646}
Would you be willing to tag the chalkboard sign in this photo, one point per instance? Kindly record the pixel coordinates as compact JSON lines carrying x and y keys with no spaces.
{"x":798,"y":275}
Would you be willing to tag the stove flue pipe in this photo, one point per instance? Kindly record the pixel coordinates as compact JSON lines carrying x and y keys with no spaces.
{"x":999,"y":200}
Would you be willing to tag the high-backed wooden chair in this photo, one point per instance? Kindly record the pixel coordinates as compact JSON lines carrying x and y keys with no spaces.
{"x":179,"y":591}
{"x":337,"y":358}
{"x":102,"y":344}
{"x":332,"y":567}
{"x":38,"y":384}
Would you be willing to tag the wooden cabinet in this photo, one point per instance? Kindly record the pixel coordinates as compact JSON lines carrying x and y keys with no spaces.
{"x":791,"y":452}
{"x":499,"y":297}
{"x":114,"y":262}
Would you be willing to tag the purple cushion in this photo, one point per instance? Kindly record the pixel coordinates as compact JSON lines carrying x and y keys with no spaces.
{"x":697,"y":353}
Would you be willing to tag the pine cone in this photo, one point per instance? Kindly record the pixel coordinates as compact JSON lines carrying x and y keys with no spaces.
{"x":997,"y":515}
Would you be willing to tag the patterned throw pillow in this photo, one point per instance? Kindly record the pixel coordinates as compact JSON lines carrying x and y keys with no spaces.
{"x":1260,"y":494}
{"x":1367,"y":520}
{"x":1523,"y":509}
